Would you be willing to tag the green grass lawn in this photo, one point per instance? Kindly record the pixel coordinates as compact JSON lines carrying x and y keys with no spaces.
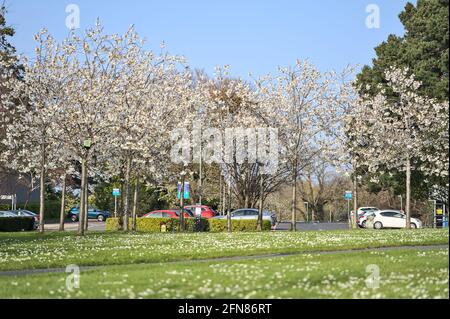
{"x":32,"y":250}
{"x":413,"y":273}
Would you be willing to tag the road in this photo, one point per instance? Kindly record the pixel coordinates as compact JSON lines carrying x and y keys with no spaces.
{"x":302,"y":226}
{"x":69,"y":226}
{"x":282,"y":226}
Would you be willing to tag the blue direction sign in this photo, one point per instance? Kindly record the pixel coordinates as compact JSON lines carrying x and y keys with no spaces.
{"x":116,"y":192}
{"x":348,"y":195}
{"x":185,"y":192}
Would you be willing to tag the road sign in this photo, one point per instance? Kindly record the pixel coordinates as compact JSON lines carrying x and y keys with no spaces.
{"x":185,"y":192}
{"x":12,"y":198}
{"x":348,"y":195}
{"x":116,"y":192}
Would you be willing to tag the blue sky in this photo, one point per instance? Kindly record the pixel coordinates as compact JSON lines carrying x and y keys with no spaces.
{"x":250,"y":36}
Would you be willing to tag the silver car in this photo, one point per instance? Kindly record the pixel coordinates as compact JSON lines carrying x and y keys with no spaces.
{"x":250,"y":213}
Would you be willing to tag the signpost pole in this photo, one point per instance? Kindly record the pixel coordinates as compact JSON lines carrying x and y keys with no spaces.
{"x":115,"y":193}
{"x":115,"y":206}
{"x":348,"y":214}
{"x":348,"y":196}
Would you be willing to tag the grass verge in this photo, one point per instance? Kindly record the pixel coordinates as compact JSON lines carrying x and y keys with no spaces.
{"x":50,"y":250}
{"x":402,"y":274}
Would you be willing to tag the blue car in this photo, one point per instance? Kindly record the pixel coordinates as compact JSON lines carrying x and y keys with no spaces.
{"x":93,"y":213}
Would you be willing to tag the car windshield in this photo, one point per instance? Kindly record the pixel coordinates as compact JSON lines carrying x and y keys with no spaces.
{"x":7,"y":214}
{"x":27,"y":213}
{"x":189,"y":212}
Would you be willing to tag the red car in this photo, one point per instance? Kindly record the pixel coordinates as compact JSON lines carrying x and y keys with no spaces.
{"x":168,"y":213}
{"x":207,"y":212}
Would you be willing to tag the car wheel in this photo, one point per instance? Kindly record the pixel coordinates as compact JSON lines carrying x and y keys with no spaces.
{"x":101,"y":218}
{"x":413,"y":226}
{"x":74,"y":218}
{"x":363,"y":224}
{"x":378,"y":225}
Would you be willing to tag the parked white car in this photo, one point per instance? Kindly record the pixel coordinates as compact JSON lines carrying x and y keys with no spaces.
{"x":364,"y":210}
{"x":390,"y":219}
{"x":363,"y":218}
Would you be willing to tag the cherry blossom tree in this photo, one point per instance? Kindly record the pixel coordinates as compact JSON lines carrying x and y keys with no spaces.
{"x":150,"y":100}
{"x":296,"y":101}
{"x":407,"y":133}
{"x":36,"y":97}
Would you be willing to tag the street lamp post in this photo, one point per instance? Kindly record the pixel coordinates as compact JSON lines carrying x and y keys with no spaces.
{"x":401,"y":202}
{"x":83,"y":216}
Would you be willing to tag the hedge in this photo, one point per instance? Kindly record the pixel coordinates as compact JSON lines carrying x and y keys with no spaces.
{"x":153,"y":225}
{"x":12,"y":224}
{"x":242,"y":225}
{"x":52,"y":208}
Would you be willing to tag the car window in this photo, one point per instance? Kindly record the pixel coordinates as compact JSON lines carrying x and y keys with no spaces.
{"x":388,"y":214}
{"x":189,"y":212}
{"x":399,"y":215}
{"x":239,"y":213}
{"x":251,"y":213}
{"x":157,"y":214}
{"x":165,"y":215}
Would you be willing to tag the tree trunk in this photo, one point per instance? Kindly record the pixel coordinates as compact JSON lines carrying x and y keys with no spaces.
{"x":182,"y":203}
{"x":355,"y":203}
{"x":261,"y":203}
{"x":200,"y":170}
{"x":86,"y":198}
{"x":135,"y":200}
{"x":224,"y":199}
{"x":126,"y":208}
{"x":220,"y":192}
{"x":42,"y":192}
{"x":120,"y":206}
{"x":82,"y":197}
{"x":63,"y":204}
{"x":408,"y":193}
{"x":294,"y":203}
{"x":229,"y":226}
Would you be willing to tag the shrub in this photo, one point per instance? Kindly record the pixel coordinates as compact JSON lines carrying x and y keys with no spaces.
{"x":52,"y":208}
{"x":220,"y":225}
{"x":153,"y":225}
{"x":11,"y":224}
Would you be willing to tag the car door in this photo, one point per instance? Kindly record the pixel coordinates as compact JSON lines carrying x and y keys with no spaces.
{"x":400,"y":220}
{"x":389,"y":220}
{"x":92,"y":213}
{"x":251,"y":214}
{"x":238,"y":214}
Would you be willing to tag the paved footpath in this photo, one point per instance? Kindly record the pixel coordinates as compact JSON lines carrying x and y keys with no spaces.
{"x":25,"y":272}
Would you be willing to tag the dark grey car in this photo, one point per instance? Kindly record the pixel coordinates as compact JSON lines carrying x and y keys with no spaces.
{"x":27,"y":213}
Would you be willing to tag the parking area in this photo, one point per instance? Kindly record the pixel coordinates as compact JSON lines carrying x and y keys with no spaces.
{"x":303,"y":226}
{"x":70,"y":226}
